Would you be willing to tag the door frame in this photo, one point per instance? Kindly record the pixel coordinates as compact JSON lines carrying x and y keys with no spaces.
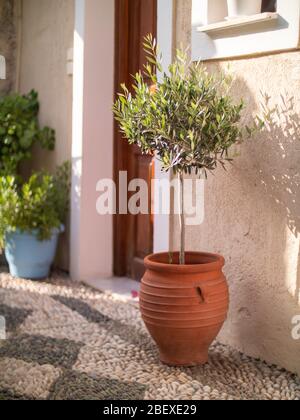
{"x":120,"y":147}
{"x":128,"y":47}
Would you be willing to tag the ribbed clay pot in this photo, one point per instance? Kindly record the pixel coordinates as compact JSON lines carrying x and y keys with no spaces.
{"x":184,"y":306}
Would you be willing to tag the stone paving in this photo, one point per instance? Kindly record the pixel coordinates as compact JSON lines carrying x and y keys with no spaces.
{"x":67,"y":341}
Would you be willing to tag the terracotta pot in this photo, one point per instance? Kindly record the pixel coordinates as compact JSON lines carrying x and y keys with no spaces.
{"x":184,"y":307}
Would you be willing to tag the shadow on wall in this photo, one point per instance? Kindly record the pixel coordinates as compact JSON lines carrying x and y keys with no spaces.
{"x":252,"y":217}
{"x":282,"y":183}
{"x":283,"y":132}
{"x":271,"y":293}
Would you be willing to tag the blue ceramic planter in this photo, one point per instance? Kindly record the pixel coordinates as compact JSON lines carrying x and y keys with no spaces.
{"x":28,"y":257}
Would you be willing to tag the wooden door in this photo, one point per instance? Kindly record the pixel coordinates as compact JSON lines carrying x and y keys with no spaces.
{"x":133,"y":235}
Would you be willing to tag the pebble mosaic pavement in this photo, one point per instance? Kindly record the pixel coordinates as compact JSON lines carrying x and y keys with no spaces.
{"x":67,"y":341}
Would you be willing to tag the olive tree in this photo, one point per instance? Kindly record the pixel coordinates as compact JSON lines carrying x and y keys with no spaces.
{"x":186,"y":117}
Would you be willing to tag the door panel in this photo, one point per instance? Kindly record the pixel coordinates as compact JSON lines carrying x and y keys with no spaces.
{"x":133,"y":235}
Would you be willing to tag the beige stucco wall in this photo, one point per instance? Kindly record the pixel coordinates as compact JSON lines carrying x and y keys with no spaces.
{"x":8,"y":38}
{"x":47,"y":34}
{"x":252,"y":211}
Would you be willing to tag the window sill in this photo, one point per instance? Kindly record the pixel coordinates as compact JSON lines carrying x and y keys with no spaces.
{"x":238,"y":22}
{"x":252,"y":35}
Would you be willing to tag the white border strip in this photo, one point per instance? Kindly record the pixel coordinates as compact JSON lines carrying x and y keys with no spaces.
{"x":77,"y":136}
{"x":165,"y":42}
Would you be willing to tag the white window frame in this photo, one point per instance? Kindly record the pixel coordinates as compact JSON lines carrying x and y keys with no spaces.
{"x":269,"y":32}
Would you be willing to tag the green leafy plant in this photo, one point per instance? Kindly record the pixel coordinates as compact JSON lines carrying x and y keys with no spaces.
{"x":38,"y":205}
{"x":187,"y":117}
{"x":20,"y":131}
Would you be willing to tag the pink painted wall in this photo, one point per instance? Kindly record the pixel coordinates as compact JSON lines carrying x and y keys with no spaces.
{"x":92,"y":235}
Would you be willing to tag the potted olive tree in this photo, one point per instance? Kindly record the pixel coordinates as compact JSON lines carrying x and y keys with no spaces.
{"x":189,"y":121}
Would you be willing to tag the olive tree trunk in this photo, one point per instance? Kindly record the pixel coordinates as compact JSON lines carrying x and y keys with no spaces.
{"x":182,"y":218}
